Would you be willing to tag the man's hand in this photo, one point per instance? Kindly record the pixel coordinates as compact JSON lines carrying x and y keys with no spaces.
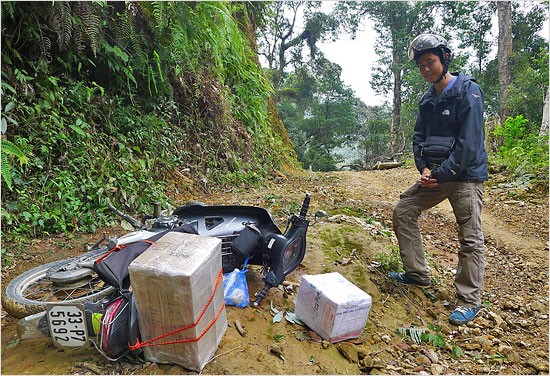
{"x":426,"y":180}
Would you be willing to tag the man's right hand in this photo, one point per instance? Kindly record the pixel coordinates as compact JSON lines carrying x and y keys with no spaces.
{"x":426,"y":180}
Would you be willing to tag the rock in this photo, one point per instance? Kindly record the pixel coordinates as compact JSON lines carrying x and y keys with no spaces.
{"x":541,"y":322}
{"x":348,"y":351}
{"x":152,"y":369}
{"x":423,"y":360}
{"x":510,"y":354}
{"x":369,"y":363}
{"x":443,"y":294}
{"x":437,"y":369}
{"x":403,"y":347}
{"x":511,"y":305}
{"x":471,"y":346}
{"x":389,"y":367}
{"x":538,"y":306}
{"x":432,"y":355}
{"x":483,"y":322}
{"x":524,"y":323}
{"x":419,"y":369}
{"x":499,"y":321}
{"x":486,"y":343}
{"x":540,"y":365}
{"x":386,"y":338}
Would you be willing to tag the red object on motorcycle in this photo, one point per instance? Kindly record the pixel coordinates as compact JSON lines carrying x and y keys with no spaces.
{"x":115,"y":328}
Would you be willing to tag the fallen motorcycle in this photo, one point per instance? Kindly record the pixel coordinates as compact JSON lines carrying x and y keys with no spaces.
{"x":88,"y":298}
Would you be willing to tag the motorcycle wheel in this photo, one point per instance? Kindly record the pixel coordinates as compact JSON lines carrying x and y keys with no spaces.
{"x":29,"y":292}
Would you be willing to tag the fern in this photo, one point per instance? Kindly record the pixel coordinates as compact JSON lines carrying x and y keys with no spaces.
{"x":45,"y":42}
{"x":160,"y":14}
{"x":8,"y":148}
{"x":61,"y":22}
{"x":90,"y":17}
{"x":6,"y":170}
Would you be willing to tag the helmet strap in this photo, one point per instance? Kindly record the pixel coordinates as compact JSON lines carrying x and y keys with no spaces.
{"x":441,"y":77}
{"x":446,"y":62}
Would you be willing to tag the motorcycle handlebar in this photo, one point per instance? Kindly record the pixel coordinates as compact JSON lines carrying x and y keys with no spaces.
{"x":305,"y":205}
{"x":134,"y":222}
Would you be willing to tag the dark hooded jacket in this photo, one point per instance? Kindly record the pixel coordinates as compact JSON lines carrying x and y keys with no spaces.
{"x":458,"y":113}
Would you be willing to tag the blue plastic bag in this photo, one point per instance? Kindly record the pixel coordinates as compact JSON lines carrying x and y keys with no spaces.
{"x":235,"y":288}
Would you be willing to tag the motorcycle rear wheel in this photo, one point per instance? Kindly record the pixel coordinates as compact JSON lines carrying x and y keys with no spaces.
{"x":29,"y":292}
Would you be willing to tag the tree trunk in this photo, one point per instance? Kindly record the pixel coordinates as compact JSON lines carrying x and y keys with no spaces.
{"x":504,"y":11}
{"x":387,"y":165}
{"x":395,"y":129}
{"x":544,"y":126}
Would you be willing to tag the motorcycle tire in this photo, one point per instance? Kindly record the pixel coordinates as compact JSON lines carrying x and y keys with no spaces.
{"x":17,"y":302}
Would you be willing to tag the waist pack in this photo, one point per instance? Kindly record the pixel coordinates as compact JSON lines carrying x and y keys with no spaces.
{"x":436,"y":149}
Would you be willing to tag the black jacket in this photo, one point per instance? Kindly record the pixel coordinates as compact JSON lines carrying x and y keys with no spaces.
{"x":458,"y":113}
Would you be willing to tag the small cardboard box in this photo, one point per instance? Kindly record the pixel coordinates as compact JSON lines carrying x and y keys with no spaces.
{"x":175,"y":281}
{"x":332,"y":306}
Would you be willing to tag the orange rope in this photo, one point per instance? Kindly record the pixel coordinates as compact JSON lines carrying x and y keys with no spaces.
{"x":139,"y":344}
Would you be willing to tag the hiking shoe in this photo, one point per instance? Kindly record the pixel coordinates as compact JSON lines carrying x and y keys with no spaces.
{"x":461,"y":315}
{"x":403,"y":278}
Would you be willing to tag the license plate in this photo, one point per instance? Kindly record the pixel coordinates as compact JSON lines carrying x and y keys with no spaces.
{"x":67,"y":325}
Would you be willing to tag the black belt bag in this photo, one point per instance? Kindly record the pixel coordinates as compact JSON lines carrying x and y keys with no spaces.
{"x":436,"y":149}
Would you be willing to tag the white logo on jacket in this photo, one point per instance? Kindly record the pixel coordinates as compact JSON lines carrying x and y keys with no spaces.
{"x":446,"y":112}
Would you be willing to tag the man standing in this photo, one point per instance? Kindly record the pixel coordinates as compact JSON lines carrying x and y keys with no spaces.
{"x":449,"y":152}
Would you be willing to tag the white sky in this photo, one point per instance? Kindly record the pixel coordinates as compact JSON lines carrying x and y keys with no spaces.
{"x":356,"y":57}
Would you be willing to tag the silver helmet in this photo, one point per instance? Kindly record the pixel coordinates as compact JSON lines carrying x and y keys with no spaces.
{"x":428,"y":42}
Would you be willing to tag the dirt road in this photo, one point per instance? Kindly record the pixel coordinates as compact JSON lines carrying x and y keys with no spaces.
{"x":509,"y":336}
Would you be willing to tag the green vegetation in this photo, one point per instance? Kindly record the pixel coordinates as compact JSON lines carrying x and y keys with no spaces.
{"x":431,"y":335}
{"x":389,"y":262}
{"x":278,"y":338}
{"x":338,"y":244}
{"x":104,"y":100}
{"x":523,"y":152}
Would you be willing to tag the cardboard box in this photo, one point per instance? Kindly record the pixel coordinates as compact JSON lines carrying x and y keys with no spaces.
{"x":332,"y":306}
{"x":173,"y":282}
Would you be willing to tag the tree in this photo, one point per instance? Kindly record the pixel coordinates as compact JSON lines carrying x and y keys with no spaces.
{"x":318,"y":111}
{"x":504,"y":11}
{"x":396,"y":23}
{"x":282,"y":38}
{"x":373,"y":137}
{"x":529,"y":63}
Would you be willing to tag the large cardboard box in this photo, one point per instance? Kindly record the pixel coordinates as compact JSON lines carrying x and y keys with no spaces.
{"x":332,"y":306}
{"x":177,"y":283}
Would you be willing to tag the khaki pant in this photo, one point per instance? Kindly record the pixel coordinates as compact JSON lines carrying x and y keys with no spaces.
{"x":466,"y":198}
